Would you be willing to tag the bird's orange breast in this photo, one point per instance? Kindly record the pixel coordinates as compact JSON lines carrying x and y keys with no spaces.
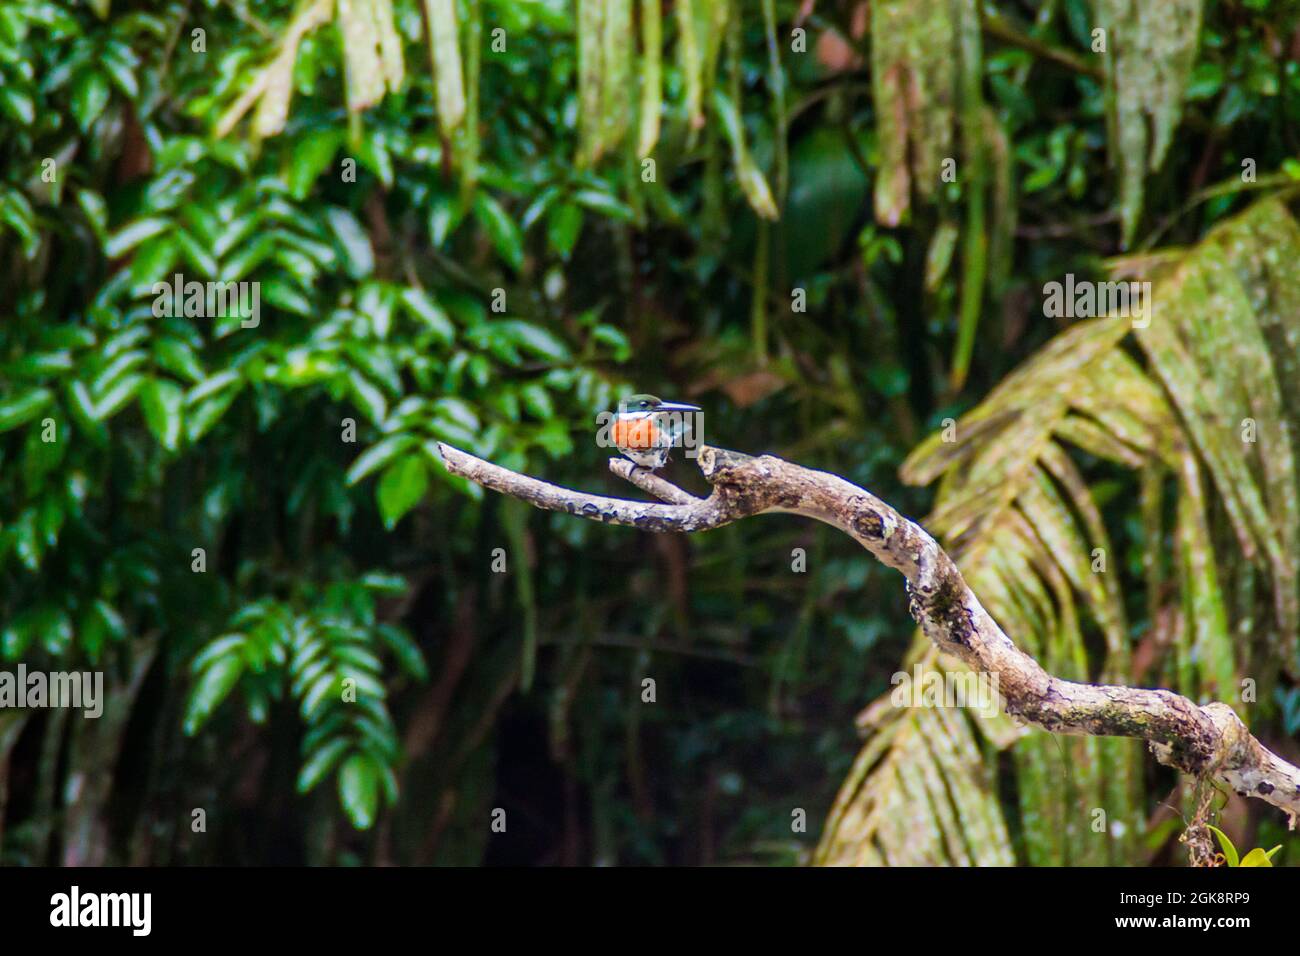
{"x":634,"y":434}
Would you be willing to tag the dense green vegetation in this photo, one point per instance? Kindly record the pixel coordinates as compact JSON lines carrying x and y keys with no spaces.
{"x":839,"y":247}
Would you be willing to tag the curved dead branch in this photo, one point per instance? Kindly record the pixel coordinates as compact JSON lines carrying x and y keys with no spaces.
{"x":1209,"y":741}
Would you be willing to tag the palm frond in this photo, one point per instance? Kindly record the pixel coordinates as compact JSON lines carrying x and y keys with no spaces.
{"x":918,"y":795}
{"x":1210,"y":420}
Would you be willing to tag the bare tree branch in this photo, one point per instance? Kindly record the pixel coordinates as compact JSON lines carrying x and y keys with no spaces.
{"x":647,"y":480}
{"x":1209,"y":741}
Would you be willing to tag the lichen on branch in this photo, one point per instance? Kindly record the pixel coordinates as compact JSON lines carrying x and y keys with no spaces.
{"x":1205,"y":742}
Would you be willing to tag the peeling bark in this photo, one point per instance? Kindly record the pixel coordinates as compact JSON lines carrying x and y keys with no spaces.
{"x":1209,"y":741}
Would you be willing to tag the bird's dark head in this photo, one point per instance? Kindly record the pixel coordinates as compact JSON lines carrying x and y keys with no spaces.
{"x":636,"y":406}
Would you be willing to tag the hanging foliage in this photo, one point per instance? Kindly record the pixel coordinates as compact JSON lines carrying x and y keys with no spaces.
{"x":1150,"y":50}
{"x":272,"y":87}
{"x":444,"y":52}
{"x":926,"y":74}
{"x":373,"y":63}
{"x":651,"y":76}
{"x":914,"y":49}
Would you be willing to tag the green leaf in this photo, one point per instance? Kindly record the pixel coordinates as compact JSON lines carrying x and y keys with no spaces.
{"x":18,"y":105}
{"x":358,"y":255}
{"x":211,"y":385}
{"x":245,"y":258}
{"x":162,"y":401}
{"x":16,"y":637}
{"x":41,"y":364}
{"x":445,"y":214}
{"x":27,"y":541}
{"x":539,"y":207}
{"x":118,"y":395}
{"x":154,"y":258}
{"x":368,"y":397}
{"x":562,"y":229}
{"x":375,"y":301}
{"x":90,"y":93}
{"x":132,"y":234}
{"x":535,"y":339}
{"x":96,"y":210}
{"x":615,"y":338}
{"x":422,"y":306}
{"x":359,"y":790}
{"x":84,"y":412}
{"x":55,"y":629}
{"x":310,"y":156}
{"x":41,"y":457}
{"x":404,"y":649}
{"x":385,"y":583}
{"x":554,"y":438}
{"x":373,"y":153}
{"x":177,"y":356}
{"x":118,"y":62}
{"x":212,"y":688}
{"x":285,"y":295}
{"x":218,"y":647}
{"x":752,"y":181}
{"x":501,"y":230}
{"x":378,"y":455}
{"x":605,"y":204}
{"x":1257,"y":857}
{"x":125,"y":359}
{"x":321,"y":762}
{"x":324,"y":682}
{"x":459,"y":411}
{"x":98,"y":624}
{"x":402,"y":486}
{"x":538,"y":401}
{"x":207,"y":412}
{"x":23,"y":408}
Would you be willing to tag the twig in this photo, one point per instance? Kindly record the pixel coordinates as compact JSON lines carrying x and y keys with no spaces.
{"x":647,"y":480}
{"x":1209,"y":741}
{"x":1001,"y":29}
{"x":1229,"y":187}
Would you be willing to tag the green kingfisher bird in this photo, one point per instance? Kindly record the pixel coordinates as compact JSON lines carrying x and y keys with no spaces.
{"x":646,"y":428}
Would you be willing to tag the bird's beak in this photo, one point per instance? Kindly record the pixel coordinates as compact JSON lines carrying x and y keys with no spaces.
{"x":678,"y":407}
